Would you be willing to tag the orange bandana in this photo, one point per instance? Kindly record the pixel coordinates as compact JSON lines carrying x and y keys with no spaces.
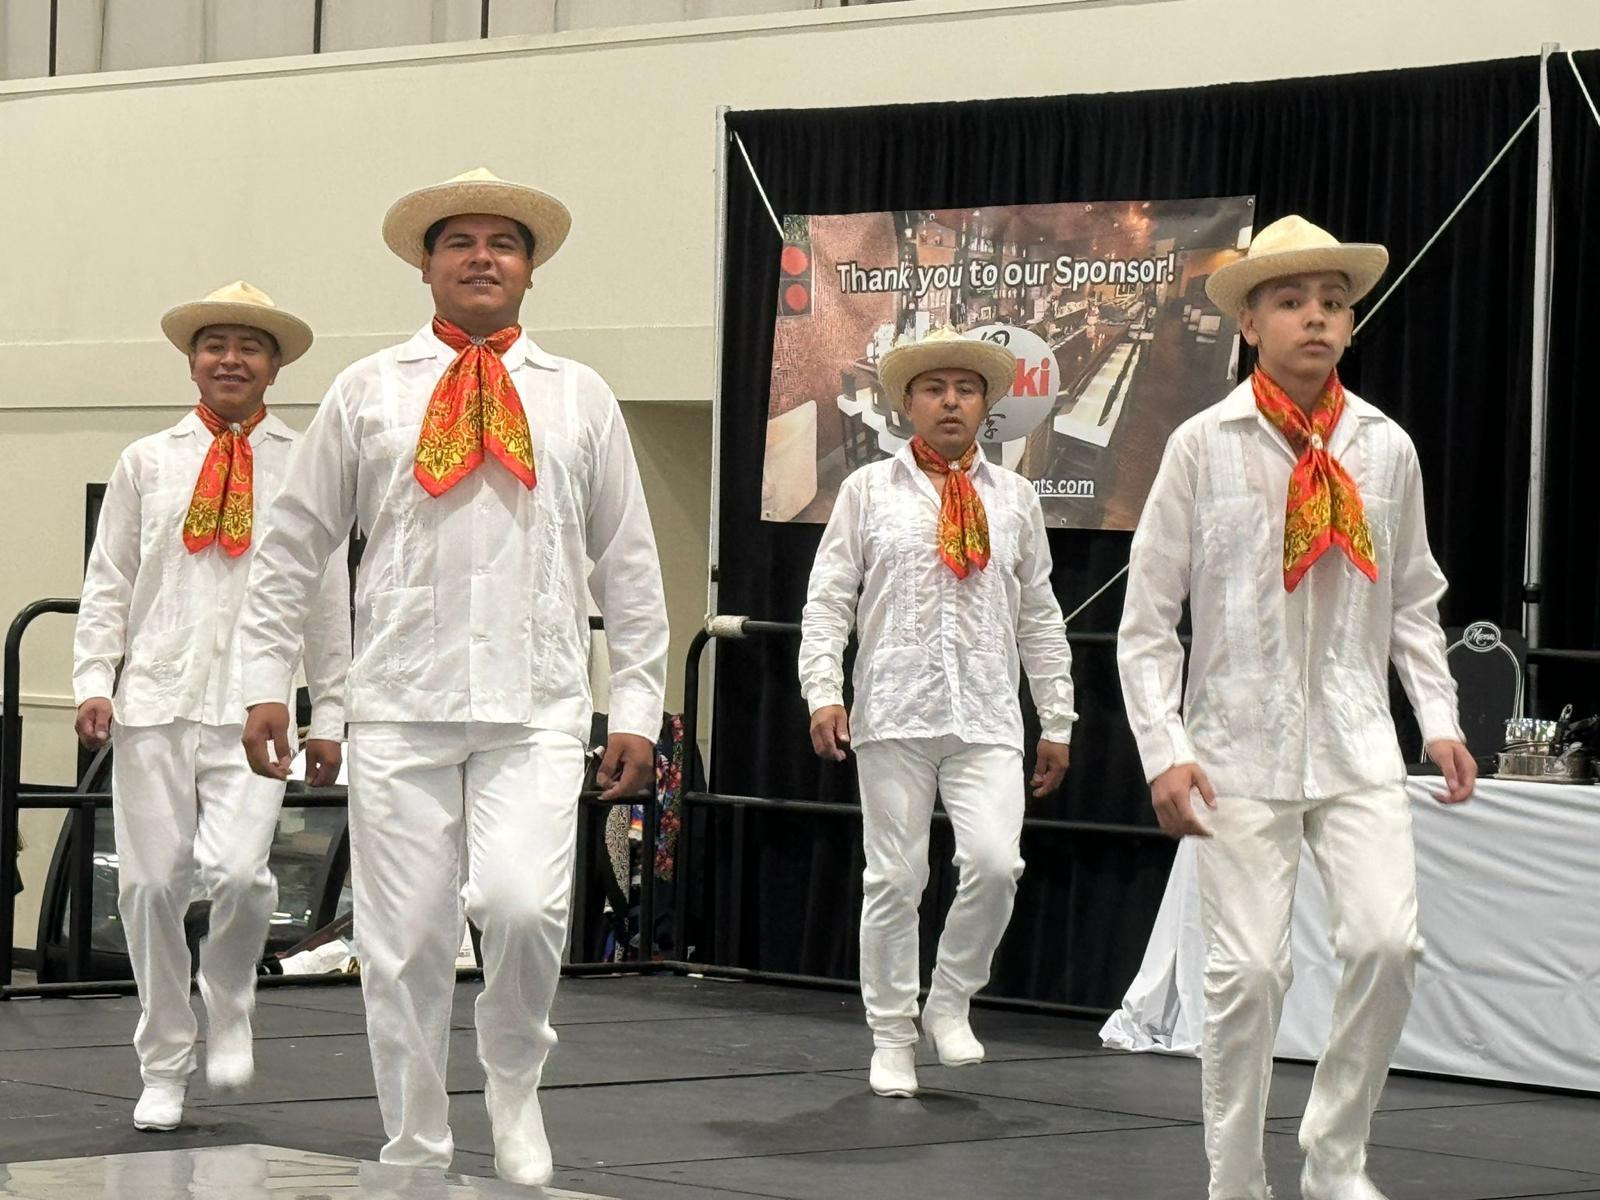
{"x":223,"y":505}
{"x":1324,"y":505}
{"x":474,"y":407}
{"x":963,"y":525}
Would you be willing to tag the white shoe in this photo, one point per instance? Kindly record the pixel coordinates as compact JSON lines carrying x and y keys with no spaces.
{"x":894,"y":1071}
{"x":230,"y":1063}
{"x":521,"y":1149}
{"x":160,"y":1107}
{"x":1314,"y":1185}
{"x":953,"y":1042}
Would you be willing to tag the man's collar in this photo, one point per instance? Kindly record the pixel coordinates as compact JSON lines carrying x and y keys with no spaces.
{"x":425,"y":344}
{"x":908,"y":460}
{"x":271,"y":425}
{"x":1240,"y":405}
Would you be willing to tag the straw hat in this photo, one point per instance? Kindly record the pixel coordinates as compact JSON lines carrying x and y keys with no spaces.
{"x":945,"y":349}
{"x":238,"y":304}
{"x":1294,"y":246}
{"x":477,"y":191}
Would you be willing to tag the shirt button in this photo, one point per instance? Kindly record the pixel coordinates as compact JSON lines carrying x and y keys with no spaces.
{"x":1316,"y":441}
{"x":236,"y":427}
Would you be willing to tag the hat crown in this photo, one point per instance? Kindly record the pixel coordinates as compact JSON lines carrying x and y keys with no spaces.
{"x":476,"y":175}
{"x":240,"y":292}
{"x":1289,"y":234}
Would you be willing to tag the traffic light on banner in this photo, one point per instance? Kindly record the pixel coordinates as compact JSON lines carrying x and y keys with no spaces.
{"x":794,"y":280}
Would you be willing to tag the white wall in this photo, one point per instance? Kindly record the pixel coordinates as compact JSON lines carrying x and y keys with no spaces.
{"x":124,"y":194}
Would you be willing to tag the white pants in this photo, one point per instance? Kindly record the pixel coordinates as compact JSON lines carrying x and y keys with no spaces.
{"x":418,"y":792}
{"x":1362,"y":846}
{"x":185,"y":801}
{"x":982,"y":790}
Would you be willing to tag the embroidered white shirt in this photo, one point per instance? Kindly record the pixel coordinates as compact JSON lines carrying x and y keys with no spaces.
{"x":169,"y":619}
{"x":938,"y":655}
{"x":473,"y":605}
{"x":1288,"y":693}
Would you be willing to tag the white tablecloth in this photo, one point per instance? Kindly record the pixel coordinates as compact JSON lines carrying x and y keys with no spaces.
{"x":1508,"y":986}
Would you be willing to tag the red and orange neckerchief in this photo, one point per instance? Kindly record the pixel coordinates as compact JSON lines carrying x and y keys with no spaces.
{"x":963,"y":524}
{"x":1324,"y":507}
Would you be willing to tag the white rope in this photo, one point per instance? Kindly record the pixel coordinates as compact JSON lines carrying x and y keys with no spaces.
{"x":1428,"y":245}
{"x":1067,"y":620}
{"x":1583,"y":87}
{"x":756,"y":179}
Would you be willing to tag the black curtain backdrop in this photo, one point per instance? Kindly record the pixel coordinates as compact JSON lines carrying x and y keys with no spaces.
{"x":1376,"y":157}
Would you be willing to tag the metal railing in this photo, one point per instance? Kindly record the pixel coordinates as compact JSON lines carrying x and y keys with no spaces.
{"x":83,"y":803}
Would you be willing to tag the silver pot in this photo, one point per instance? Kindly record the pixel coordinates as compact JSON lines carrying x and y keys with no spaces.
{"x":1572,"y":767}
{"x":1530,"y":733}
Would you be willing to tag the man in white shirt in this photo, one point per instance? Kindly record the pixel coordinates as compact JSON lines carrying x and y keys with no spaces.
{"x":486,"y":474}
{"x":1290,"y":516}
{"x":182,"y":518}
{"x":949,"y":555}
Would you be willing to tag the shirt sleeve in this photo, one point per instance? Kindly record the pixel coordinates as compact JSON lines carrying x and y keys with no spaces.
{"x":830,"y":609}
{"x":1041,"y":634}
{"x":1417,"y":645}
{"x":311,"y":517}
{"x":626,"y":582}
{"x":327,"y":647}
{"x":1149,"y":654}
{"x":101,"y":636}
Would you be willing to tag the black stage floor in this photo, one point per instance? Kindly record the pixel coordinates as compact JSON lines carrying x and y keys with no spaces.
{"x":666,"y":1088}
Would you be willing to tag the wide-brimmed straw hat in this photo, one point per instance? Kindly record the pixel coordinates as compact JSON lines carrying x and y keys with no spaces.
{"x":238,"y":304}
{"x":1294,"y":246}
{"x":946,"y":350}
{"x":477,"y":191}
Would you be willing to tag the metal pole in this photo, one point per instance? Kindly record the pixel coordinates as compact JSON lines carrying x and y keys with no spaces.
{"x":680,"y":849}
{"x":55,"y":15}
{"x":483,"y":20}
{"x":719,"y":278}
{"x":80,"y":931}
{"x":1543,"y":259}
{"x":316,"y":27}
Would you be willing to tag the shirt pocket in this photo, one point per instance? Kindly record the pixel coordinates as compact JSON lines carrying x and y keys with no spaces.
{"x":400,"y":634}
{"x":158,"y":665}
{"x":901,"y":682}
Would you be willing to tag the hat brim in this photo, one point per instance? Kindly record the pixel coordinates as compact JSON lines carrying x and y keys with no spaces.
{"x":182,"y":323}
{"x":411,"y":216}
{"x":1362,"y":263}
{"x":995,"y":363}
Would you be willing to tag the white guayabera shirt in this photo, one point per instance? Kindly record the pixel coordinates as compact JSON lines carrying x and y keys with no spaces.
{"x":1288,"y":693}
{"x":938,"y":655}
{"x":473,"y":605}
{"x":169,"y":618}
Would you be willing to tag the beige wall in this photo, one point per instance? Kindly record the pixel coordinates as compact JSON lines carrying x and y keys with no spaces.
{"x":126,"y":193}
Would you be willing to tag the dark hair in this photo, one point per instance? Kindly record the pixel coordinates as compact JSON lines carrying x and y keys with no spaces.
{"x":277,"y":350}
{"x":434,"y":230}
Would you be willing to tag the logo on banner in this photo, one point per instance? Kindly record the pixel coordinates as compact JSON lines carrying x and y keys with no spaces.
{"x":1033,"y":390}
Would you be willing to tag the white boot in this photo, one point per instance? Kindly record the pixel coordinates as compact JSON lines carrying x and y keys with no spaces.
{"x":160,"y":1107}
{"x":1315,"y":1185}
{"x":521,"y":1149}
{"x":953,"y":1042}
{"x":894,"y":1071}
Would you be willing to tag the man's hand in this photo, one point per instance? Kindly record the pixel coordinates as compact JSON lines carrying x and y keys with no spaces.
{"x":1049,"y":767}
{"x":1459,"y":767}
{"x":830,"y":732}
{"x":266,"y":727}
{"x":628,"y":764}
{"x":322,"y":761}
{"x":94,"y":722}
{"x":1170,"y":796}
